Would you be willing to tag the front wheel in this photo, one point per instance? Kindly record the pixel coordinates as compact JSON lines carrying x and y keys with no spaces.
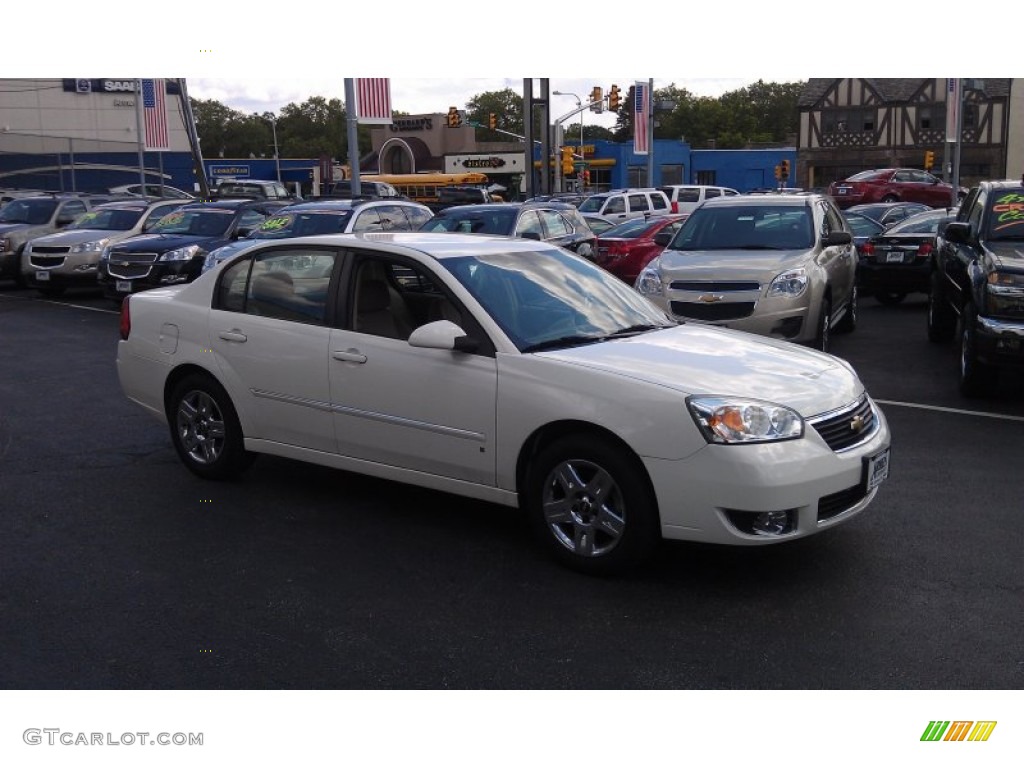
{"x":591,"y":506}
{"x":205,"y":429}
{"x":975,"y":377}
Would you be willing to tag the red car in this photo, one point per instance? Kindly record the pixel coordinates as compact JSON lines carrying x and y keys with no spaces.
{"x":891,"y":185}
{"x":625,"y":249}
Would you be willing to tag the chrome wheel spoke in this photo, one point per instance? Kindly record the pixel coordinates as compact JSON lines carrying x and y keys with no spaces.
{"x":558,"y":511}
{"x":610,"y":522}
{"x":583,"y":540}
{"x":215,"y":430}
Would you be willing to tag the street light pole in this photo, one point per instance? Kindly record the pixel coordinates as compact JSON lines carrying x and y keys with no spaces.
{"x":579,"y":104}
{"x":277,"y":155}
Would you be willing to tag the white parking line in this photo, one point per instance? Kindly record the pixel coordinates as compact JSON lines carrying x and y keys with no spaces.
{"x":962,"y":412}
{"x":63,"y":304}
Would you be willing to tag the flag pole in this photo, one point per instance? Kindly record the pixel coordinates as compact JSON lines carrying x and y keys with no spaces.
{"x":352,"y":120}
{"x":138,"y":132}
{"x":649,"y":117}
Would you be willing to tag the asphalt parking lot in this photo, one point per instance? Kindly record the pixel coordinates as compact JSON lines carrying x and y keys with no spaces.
{"x":122,"y":570}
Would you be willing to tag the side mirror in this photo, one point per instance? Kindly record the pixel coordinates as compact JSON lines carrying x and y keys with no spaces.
{"x":663,"y":238}
{"x":958,"y":232}
{"x":838,"y":238}
{"x":442,"y":334}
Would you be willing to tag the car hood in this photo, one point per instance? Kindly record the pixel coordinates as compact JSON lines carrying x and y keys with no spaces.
{"x":700,"y":359}
{"x":1006,"y":254}
{"x":162,"y":243}
{"x":760,"y":266}
{"x":76,"y":236}
{"x":5,"y":228}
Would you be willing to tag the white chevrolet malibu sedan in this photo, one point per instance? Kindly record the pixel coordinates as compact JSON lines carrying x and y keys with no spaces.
{"x":510,"y":371}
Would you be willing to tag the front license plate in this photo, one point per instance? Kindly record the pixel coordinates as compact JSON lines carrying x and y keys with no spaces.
{"x":124,"y":286}
{"x":877,"y":468}
{"x":43,"y":276}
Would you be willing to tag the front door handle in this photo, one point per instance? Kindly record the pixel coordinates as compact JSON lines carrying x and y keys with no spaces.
{"x":233,"y":335}
{"x":349,"y":355}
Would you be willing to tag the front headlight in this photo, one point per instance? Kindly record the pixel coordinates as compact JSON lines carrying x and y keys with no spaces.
{"x":648,"y":282}
{"x":93,"y":245}
{"x":730,"y":420}
{"x":1009,"y":283}
{"x":1005,"y":294}
{"x":181,"y":254}
{"x":789,"y":284}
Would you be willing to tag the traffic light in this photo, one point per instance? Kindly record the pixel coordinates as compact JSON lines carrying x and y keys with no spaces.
{"x":492,"y":121}
{"x":567,"y":166}
{"x":784,"y":170}
{"x":454,"y":118}
{"x":597,"y":99}
{"x":929,"y":160}
{"x":613,"y":98}
{"x":586,"y":178}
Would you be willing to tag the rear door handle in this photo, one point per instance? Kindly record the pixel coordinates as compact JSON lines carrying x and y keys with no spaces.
{"x":349,"y":355}
{"x":233,"y":335}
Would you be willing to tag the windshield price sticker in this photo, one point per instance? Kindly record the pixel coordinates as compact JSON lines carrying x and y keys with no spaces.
{"x":277,"y":222}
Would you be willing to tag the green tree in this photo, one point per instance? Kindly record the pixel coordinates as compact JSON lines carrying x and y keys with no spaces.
{"x":506,"y":105}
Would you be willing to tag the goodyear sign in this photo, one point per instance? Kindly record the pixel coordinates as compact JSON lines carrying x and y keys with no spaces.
{"x":229,"y":171}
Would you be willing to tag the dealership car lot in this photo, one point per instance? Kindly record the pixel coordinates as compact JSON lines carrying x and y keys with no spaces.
{"x":307,"y":577}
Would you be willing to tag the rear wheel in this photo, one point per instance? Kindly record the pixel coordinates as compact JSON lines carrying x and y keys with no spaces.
{"x":205,"y":429}
{"x":849,"y":321}
{"x":975,"y":377}
{"x":941,"y":317}
{"x":890,"y":298}
{"x":890,"y":199}
{"x":591,"y":506}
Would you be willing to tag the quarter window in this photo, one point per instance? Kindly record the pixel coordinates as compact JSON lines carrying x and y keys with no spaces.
{"x":638,"y":203}
{"x":287,"y":284}
{"x":555,"y":224}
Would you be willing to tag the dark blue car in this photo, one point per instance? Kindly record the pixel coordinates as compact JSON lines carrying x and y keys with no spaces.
{"x":173,"y":251}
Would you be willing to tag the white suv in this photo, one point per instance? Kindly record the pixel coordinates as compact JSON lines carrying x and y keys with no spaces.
{"x":683,"y":198}
{"x":621,"y":204}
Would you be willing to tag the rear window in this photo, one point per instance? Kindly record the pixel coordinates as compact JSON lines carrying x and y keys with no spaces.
{"x":867,"y":176}
{"x":919,"y":224}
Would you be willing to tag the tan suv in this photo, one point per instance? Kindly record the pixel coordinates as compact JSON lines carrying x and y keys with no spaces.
{"x":776,"y":265}
{"x":618,"y":205}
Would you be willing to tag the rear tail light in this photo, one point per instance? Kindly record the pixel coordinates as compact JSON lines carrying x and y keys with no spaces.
{"x":924,"y":249}
{"x":126,"y":319}
{"x":675,"y":206}
{"x":867,"y":249}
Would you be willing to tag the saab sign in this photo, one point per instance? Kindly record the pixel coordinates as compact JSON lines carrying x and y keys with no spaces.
{"x":109,"y":85}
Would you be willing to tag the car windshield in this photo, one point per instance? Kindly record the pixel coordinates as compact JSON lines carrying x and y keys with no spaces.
{"x":114,"y":219}
{"x":27,"y":211}
{"x":593,"y":204}
{"x":550,"y":298}
{"x":746,"y":227}
{"x":300,"y":224}
{"x":205,"y":223}
{"x":631,"y":228}
{"x":1006,"y":215}
{"x":490,"y":222}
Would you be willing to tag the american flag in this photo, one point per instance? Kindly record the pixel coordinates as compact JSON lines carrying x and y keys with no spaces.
{"x":154,"y":111}
{"x":373,"y":97}
{"x":641,"y":106}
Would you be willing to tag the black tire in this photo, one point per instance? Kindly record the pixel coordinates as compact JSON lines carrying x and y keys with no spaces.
{"x":975,"y":377}
{"x":591,"y":506}
{"x":849,"y":322}
{"x":941,"y":317}
{"x":890,"y":298}
{"x":821,"y":336}
{"x":890,"y":199}
{"x":205,"y":429}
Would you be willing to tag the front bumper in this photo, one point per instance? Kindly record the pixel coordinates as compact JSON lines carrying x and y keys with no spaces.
{"x":1000,"y":342}
{"x":119,"y":278}
{"x":70,"y":270}
{"x":698,"y":497}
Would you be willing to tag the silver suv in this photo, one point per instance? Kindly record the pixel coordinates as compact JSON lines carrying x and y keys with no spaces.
{"x":776,"y":265}
{"x":618,"y":205}
{"x":69,"y":258}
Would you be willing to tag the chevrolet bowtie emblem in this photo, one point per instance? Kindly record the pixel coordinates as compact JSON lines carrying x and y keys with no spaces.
{"x":710,"y":298}
{"x":857,"y":425}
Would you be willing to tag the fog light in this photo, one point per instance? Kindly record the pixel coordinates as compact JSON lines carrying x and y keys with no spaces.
{"x":174,"y":279}
{"x":771,"y":523}
{"x":85,"y":268}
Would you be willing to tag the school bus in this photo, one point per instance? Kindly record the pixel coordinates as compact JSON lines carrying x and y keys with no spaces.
{"x":423,"y":187}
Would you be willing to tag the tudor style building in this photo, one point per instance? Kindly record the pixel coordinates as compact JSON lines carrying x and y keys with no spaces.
{"x":855,"y":124}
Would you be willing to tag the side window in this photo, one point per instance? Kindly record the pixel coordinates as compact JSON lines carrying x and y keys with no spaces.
{"x":730,"y":192}
{"x":902,"y":176}
{"x":968,"y":204}
{"x":250,"y":219}
{"x":529,"y":222}
{"x":230,"y":294}
{"x":833,"y":221}
{"x":638,"y":203}
{"x":392,"y":218}
{"x":71,"y":211}
{"x":290,"y":284}
{"x":974,"y":217}
{"x":390,"y":300}
{"x":555,"y":225}
{"x":615,"y":204}
{"x":658,"y":203}
{"x":418,"y":216}
{"x":711,"y":192}
{"x":368,"y":220}
{"x":156,"y":214}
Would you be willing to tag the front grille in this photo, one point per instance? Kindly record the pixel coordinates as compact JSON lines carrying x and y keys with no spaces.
{"x":134,"y":258}
{"x":836,"y":503}
{"x":705,"y":286}
{"x":51,"y":248}
{"x":848,"y":427}
{"x":730,"y":310}
{"x":129,"y":271}
{"x":45,"y":262}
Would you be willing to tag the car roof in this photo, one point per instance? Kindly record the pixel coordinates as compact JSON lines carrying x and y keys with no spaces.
{"x":435,"y":245}
{"x":227,"y":205}
{"x":738,"y":201}
{"x":485,"y":207}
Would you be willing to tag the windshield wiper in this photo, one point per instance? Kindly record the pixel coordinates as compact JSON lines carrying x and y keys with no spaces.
{"x":634,"y":330}
{"x":563,"y":341}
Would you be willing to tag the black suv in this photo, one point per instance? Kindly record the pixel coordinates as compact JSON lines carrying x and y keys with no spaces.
{"x":977,"y":285}
{"x":556,"y":223}
{"x":173,"y":251}
{"x":254,"y":189}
